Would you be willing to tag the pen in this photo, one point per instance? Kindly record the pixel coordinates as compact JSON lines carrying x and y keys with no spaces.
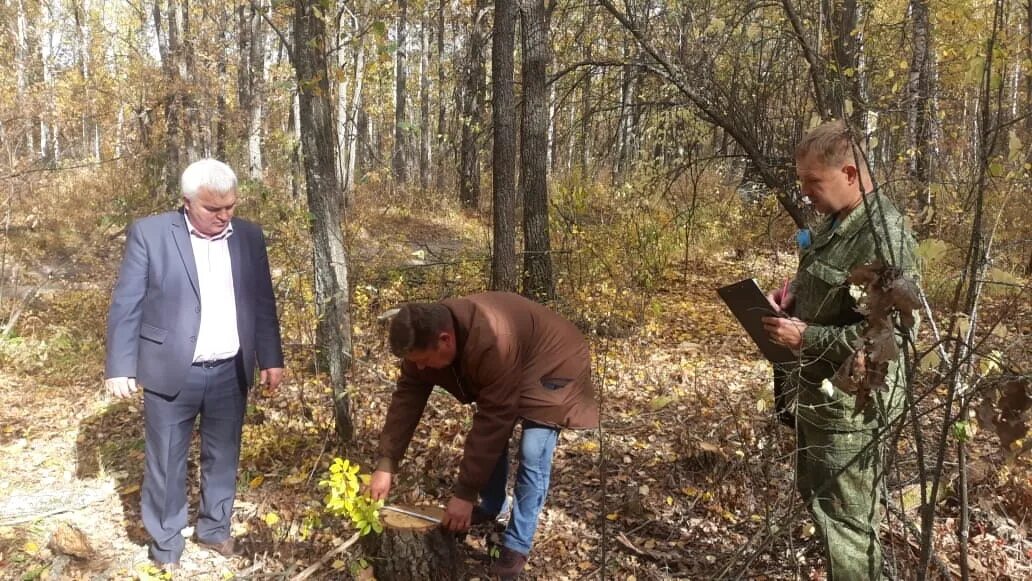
{"x":782,"y":293}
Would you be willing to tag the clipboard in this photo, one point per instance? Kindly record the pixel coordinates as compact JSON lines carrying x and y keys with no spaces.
{"x":749,"y":305}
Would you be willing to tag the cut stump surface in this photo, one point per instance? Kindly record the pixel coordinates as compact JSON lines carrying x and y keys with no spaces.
{"x":411,"y":548}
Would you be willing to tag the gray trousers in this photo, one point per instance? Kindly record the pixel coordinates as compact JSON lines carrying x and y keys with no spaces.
{"x":219,"y":395}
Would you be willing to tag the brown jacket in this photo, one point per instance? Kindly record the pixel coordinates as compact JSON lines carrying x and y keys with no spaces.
{"x":514,"y":359}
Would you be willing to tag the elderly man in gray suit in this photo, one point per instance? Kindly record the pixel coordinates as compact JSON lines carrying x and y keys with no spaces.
{"x":192,"y":314}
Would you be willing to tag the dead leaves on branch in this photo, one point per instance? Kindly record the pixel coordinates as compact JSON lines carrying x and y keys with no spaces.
{"x":1007,"y":409}
{"x":884,"y":292}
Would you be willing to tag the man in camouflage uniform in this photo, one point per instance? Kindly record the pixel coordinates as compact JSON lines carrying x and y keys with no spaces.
{"x":838,"y":461}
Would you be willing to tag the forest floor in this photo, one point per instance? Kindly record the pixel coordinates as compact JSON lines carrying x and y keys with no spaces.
{"x":690,"y":479}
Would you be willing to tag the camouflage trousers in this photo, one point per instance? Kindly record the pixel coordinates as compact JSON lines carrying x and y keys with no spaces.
{"x":839,"y":476}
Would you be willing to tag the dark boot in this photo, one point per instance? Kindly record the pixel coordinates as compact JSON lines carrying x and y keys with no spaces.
{"x":509,"y":564}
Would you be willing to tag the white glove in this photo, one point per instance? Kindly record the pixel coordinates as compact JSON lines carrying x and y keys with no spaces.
{"x":120,"y":387}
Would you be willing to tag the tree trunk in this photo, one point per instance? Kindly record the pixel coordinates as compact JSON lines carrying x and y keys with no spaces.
{"x":22,"y":62}
{"x":441,"y":109}
{"x":90,"y":126}
{"x":353,"y":143}
{"x":1028,"y":71}
{"x":503,"y":258}
{"x":186,"y":76}
{"x":342,"y":85}
{"x":333,"y":330}
{"x":221,"y":109}
{"x":425,"y":130}
{"x":413,"y":549}
{"x":398,"y":161}
{"x":537,"y":255}
{"x":472,"y":111}
{"x":625,"y":132}
{"x":250,"y":83}
{"x":167,"y":29}
{"x":294,"y":127}
{"x":919,"y":103}
{"x":848,"y":77}
{"x":49,"y":151}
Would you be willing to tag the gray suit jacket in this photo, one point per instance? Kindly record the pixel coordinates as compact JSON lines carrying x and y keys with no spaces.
{"x":156,"y":307}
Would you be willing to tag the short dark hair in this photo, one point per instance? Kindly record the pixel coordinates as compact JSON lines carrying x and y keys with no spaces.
{"x":417,"y":326}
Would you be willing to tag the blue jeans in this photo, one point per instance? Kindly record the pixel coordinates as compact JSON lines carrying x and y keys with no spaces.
{"x":532,"y":477}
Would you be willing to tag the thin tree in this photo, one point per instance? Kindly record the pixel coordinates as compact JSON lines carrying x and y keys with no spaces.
{"x":250,"y":83}
{"x":537,"y":254}
{"x":398,"y":160}
{"x":472,"y":105}
{"x":848,"y":78}
{"x":920,"y":113}
{"x":439,"y":141}
{"x":503,"y":257}
{"x":318,"y":146}
{"x":169,"y":28}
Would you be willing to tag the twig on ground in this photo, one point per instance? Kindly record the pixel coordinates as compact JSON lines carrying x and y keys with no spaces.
{"x":256,"y":566}
{"x":326,"y":558}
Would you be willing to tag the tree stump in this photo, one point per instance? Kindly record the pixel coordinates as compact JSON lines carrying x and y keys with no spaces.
{"x":413,"y":549}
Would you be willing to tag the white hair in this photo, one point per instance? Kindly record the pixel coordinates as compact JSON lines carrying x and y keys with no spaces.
{"x":207,"y":174}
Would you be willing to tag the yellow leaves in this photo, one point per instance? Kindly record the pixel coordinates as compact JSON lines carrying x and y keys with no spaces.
{"x":990,"y":364}
{"x":932,"y":250}
{"x":343,"y":497}
{"x":691,"y":491}
{"x":1004,"y":278}
{"x":753,"y":31}
{"x":716,"y":26}
{"x":910,"y":497}
{"x":807,"y":531}
{"x":1015,"y":151}
{"x":588,"y":446}
{"x":296,"y":478}
{"x":256,"y":481}
{"x":148,"y":572}
{"x":271,"y":519}
{"x":661,"y":402}
{"x":612,"y":516}
{"x":30,"y":547}
{"x":930,"y":362}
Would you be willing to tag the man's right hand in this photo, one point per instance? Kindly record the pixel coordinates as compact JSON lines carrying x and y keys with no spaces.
{"x":380,"y":485}
{"x":120,"y":387}
{"x":782,"y":298}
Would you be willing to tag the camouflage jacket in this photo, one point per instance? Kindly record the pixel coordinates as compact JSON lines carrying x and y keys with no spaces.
{"x":824,"y":302}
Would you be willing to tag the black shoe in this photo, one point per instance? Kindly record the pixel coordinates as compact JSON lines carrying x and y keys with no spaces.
{"x":509,"y":565}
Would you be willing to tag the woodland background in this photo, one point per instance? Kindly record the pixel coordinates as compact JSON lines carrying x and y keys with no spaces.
{"x":618,"y":160}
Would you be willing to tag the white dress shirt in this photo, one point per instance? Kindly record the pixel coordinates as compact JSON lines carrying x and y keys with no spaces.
{"x":217,"y":337}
